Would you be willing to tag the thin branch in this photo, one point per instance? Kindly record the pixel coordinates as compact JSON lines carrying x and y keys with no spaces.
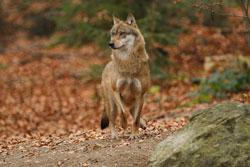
{"x":221,"y":14}
{"x":39,"y":56}
{"x":245,"y":9}
{"x":245,"y":6}
{"x":230,"y":15}
{"x":247,"y":19}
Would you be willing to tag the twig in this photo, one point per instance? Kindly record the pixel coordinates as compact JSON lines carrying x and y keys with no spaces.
{"x":245,"y":8}
{"x":247,"y":19}
{"x":174,"y":115}
{"x":39,"y":56}
{"x":73,"y":75}
{"x":230,"y":15}
{"x":57,"y":90}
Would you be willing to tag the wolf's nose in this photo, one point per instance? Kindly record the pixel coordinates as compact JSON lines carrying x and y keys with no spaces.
{"x":111,"y":44}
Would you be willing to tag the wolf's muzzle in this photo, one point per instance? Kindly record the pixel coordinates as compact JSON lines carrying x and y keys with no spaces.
{"x":112,"y":44}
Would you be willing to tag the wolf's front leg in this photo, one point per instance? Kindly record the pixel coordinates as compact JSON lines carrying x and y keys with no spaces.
{"x":113,"y":115}
{"x":120,"y":84}
{"x":113,"y":131}
{"x":121,"y":110}
{"x":142,"y":122}
{"x":137,"y":115}
{"x":139,"y":99}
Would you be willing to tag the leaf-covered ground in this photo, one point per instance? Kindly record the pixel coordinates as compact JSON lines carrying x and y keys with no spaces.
{"x":50,"y":112}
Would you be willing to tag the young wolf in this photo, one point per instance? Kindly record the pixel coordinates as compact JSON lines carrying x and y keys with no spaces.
{"x":126,"y":79}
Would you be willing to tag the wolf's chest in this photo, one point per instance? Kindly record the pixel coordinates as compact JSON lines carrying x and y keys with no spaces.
{"x":128,"y":65}
{"x":132,"y":85}
{"x":128,"y":89}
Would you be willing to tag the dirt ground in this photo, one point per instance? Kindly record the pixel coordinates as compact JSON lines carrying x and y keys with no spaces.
{"x":64,"y":130}
{"x":93,"y":152}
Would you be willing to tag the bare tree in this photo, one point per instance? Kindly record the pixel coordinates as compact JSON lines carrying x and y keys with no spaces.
{"x":210,"y":5}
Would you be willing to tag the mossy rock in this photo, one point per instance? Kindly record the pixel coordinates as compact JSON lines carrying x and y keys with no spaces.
{"x":215,"y":137}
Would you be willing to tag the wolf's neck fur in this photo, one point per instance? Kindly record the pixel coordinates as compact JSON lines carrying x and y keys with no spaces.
{"x":129,"y":63}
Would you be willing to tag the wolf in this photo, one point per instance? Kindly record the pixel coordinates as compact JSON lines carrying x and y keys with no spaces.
{"x":125,"y":79}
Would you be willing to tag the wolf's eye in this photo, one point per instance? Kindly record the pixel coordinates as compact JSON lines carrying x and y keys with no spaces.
{"x":122,"y":33}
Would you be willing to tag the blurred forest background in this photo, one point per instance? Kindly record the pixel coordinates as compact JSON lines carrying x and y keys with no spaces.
{"x":52,"y":53}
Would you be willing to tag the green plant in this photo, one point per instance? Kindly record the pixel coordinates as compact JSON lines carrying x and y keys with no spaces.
{"x":245,"y":96}
{"x":1,"y":18}
{"x":34,"y":17}
{"x":221,"y":83}
{"x":154,"y":89}
{"x":42,"y":24}
{"x":3,"y":66}
{"x":160,"y":64}
{"x":90,"y":21}
{"x":94,"y":73}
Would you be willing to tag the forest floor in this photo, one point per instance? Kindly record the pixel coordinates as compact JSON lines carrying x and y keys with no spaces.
{"x":50,"y":104}
{"x":49,"y":117}
{"x":94,"y":152}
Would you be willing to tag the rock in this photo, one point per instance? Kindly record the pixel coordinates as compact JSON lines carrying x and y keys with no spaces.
{"x":215,"y":137}
{"x":228,"y":61}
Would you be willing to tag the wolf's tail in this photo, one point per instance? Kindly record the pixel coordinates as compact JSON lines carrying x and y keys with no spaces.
{"x":105,"y":120}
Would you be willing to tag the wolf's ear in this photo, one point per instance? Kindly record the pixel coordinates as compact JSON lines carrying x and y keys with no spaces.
{"x":116,"y":20}
{"x":131,"y":20}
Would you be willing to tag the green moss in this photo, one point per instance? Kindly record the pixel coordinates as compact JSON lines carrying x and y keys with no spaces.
{"x":218,"y":136}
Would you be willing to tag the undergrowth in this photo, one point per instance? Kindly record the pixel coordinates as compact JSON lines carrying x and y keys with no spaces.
{"x":221,"y":84}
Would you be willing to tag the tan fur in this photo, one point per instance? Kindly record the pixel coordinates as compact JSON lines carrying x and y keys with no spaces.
{"x":126,"y":79}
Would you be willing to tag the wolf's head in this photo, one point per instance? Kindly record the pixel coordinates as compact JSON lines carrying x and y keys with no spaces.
{"x":124,"y":33}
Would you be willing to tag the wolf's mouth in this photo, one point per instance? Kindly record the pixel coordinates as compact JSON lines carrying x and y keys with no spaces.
{"x":118,"y":47}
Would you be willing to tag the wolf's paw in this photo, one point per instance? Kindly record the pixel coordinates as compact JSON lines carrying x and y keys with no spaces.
{"x":124,"y":124}
{"x":143,"y":124}
{"x":114,"y":135}
{"x":143,"y":127}
{"x":133,"y":137}
{"x":115,"y":138}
